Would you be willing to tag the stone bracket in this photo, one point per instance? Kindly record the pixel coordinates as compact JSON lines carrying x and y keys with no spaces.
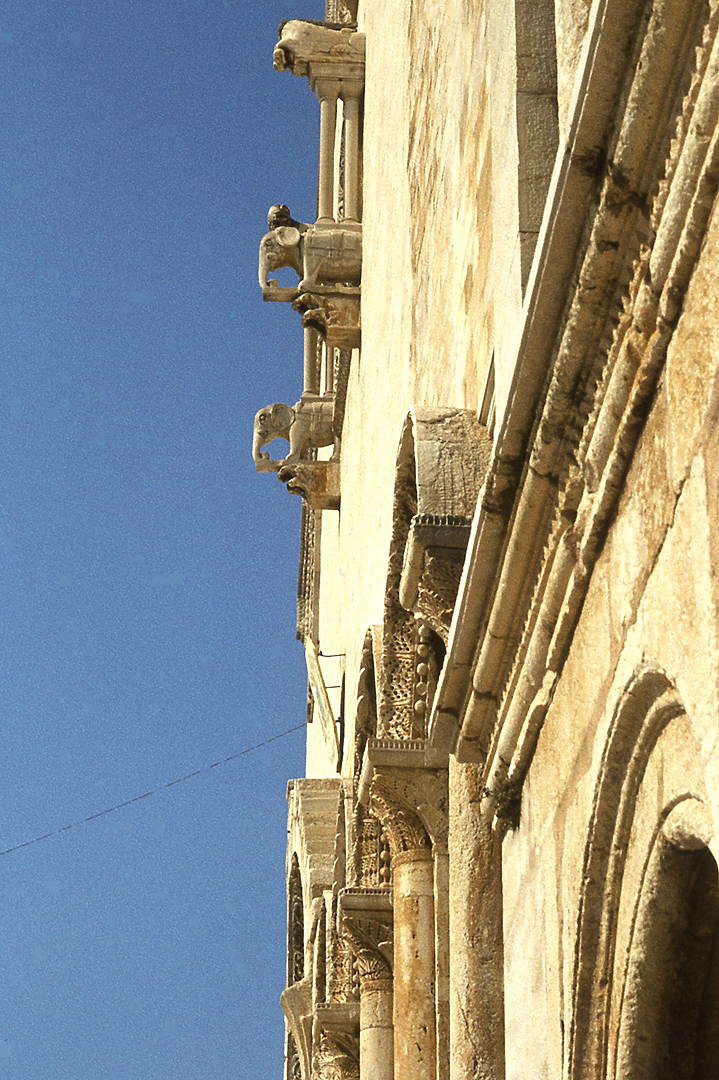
{"x":318,"y":482}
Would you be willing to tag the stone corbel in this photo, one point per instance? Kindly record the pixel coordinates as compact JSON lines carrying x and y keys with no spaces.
{"x":327,"y":258}
{"x":334,"y":312}
{"x":296,"y":1002}
{"x":318,"y":482}
{"x":305,"y":46}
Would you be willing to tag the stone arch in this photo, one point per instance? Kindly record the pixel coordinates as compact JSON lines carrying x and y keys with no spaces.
{"x":647,"y":723}
{"x":669,"y":1017}
{"x":442,"y":460}
{"x":536,"y":118}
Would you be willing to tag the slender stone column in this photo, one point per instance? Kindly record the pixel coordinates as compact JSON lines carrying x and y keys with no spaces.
{"x":441,"y":946}
{"x":311,"y":369}
{"x":366,"y":916}
{"x":327,"y":91}
{"x":376,"y":1031}
{"x":351,"y":96}
{"x":414,"y":970}
{"x":476,"y":1003}
{"x":329,"y":371}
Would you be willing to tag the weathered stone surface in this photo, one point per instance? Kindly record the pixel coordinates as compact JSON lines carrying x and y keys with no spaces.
{"x":538,"y":901}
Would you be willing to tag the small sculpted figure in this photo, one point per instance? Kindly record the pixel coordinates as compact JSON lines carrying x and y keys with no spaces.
{"x":279,"y":216}
{"x":307,"y":425}
{"x":319,"y":256}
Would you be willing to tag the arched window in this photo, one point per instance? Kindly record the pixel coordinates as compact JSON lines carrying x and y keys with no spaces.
{"x":670,"y":1009}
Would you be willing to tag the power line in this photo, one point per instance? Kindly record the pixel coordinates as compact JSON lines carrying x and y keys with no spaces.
{"x":155,"y":791}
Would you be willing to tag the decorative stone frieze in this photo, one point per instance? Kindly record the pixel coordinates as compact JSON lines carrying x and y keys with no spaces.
{"x":371,"y":851}
{"x":343,"y":12}
{"x":341,"y":980}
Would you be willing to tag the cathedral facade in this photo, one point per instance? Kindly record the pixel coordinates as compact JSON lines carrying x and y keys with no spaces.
{"x":502,"y":860}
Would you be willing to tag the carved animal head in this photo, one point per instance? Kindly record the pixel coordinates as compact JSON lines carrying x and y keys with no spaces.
{"x":270,"y":423}
{"x":273,"y":421}
{"x":278,"y":248}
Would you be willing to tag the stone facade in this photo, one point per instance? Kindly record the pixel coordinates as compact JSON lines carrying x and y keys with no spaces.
{"x":503,"y":860}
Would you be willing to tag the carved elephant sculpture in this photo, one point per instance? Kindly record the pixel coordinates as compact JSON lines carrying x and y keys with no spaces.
{"x":302,"y":43}
{"x":319,"y":254}
{"x":307,"y":425}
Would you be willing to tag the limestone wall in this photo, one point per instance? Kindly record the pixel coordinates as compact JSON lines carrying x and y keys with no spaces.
{"x":652,"y":605}
{"x":441,"y":291}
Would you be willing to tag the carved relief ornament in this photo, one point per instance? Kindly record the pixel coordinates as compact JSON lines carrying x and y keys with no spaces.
{"x":366,"y":917}
{"x":336,"y":1057}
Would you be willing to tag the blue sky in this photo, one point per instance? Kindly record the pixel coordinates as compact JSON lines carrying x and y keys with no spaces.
{"x":148,"y":574}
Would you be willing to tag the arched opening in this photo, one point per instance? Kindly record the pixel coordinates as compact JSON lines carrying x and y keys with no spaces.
{"x":670,"y":1013}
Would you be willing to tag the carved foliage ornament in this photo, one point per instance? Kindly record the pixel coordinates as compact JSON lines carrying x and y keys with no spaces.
{"x":371,"y":942}
{"x":336,"y":1057}
{"x":402,"y":825}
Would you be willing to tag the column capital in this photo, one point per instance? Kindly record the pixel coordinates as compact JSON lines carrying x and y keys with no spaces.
{"x":336,"y":1056}
{"x":367,"y":922}
{"x":412,"y":804}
